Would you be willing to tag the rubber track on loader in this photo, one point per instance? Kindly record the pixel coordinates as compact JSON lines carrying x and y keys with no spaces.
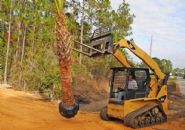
{"x":129,"y":119}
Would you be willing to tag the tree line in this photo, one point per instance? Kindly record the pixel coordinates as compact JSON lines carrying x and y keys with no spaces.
{"x":27,"y":36}
{"x":165,"y":65}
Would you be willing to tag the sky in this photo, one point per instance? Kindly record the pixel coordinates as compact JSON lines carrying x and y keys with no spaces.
{"x":164,"y":20}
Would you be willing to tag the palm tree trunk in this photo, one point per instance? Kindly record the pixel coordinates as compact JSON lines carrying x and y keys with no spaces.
{"x":67,"y":107}
{"x":64,"y":56}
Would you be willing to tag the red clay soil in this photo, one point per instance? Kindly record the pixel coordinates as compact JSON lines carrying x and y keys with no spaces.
{"x":24,"y":111}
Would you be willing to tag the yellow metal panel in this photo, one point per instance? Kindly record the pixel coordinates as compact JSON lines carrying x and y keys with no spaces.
{"x":154,"y":87}
{"x":130,"y":106}
{"x":163,"y":92}
{"x":141,"y":99}
{"x":120,"y":111}
{"x":116,"y":110}
{"x":122,"y":59}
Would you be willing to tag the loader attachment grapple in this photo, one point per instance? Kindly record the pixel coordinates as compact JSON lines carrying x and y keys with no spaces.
{"x":101,"y":43}
{"x":102,"y":39}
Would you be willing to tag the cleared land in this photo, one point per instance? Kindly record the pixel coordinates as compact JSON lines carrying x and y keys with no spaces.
{"x":24,"y":111}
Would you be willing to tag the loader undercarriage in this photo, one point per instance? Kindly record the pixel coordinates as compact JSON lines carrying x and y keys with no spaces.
{"x":149,"y":114}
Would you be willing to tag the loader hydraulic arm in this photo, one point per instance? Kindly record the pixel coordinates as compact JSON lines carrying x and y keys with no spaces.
{"x":118,"y":54}
{"x":123,"y":43}
{"x":101,"y":43}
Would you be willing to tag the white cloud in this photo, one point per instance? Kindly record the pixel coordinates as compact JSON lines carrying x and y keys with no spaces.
{"x":165,"y":20}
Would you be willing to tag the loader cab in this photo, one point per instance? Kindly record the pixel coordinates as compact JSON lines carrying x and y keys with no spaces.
{"x":119,"y":90}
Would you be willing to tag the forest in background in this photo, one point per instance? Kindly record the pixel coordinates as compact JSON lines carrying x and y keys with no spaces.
{"x":27,"y":35}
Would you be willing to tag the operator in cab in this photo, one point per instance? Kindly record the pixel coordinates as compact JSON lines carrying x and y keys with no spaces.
{"x":132,"y":84}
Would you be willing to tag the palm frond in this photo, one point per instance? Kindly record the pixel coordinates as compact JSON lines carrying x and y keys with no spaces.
{"x":59,"y":5}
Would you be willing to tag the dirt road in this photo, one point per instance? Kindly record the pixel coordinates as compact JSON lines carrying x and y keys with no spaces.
{"x":23,"y":111}
{"x":181,"y":82}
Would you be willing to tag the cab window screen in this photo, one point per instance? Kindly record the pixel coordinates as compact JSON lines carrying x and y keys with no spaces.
{"x":141,"y":78}
{"x":140,"y":75}
{"x":119,"y":80}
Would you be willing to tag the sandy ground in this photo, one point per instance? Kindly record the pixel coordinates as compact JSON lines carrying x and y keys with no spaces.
{"x":182,"y":85}
{"x":23,"y":111}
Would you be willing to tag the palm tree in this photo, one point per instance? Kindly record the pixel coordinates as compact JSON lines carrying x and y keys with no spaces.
{"x":67,"y":107}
